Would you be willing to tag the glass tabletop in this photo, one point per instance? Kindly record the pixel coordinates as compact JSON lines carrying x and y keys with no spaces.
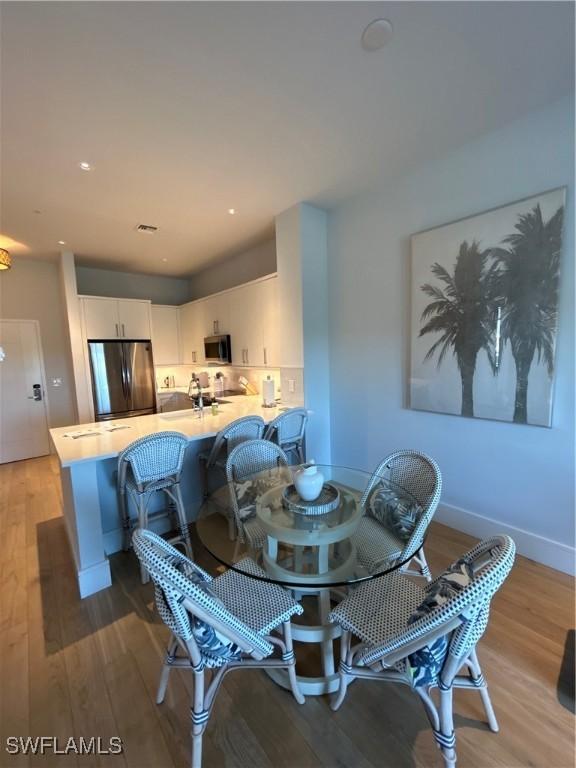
{"x":359,"y":527}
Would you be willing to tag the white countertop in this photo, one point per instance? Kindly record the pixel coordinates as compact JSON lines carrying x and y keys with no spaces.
{"x":102,"y":444}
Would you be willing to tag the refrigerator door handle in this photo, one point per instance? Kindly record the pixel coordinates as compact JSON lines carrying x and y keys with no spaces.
{"x":124,"y":383}
{"x":128,"y":368}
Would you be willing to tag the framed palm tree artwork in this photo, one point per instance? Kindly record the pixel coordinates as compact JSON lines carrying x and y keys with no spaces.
{"x":485,"y":311}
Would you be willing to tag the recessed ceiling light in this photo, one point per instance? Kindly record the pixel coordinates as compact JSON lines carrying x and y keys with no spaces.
{"x":164,"y":259}
{"x":231,"y":211}
{"x":376,"y":35}
{"x":61,"y":242}
{"x":84,"y":166}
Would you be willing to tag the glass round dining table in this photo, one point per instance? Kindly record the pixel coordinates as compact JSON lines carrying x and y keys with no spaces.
{"x":360,"y":527}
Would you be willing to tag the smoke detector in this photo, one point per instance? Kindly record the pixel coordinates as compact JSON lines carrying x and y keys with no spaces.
{"x":377,"y":34}
{"x":147,"y":228}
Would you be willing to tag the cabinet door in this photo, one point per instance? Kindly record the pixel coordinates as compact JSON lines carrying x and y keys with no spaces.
{"x":270,"y":322}
{"x":246,"y":324}
{"x":134,"y":319}
{"x":217,"y":314}
{"x":101,"y":318}
{"x":165,"y":335}
{"x":192,"y":332}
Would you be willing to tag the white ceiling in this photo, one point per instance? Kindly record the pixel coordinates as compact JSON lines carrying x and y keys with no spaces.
{"x":187,"y":109}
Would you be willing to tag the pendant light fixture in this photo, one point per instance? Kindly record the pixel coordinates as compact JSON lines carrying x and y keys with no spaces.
{"x":5,"y":260}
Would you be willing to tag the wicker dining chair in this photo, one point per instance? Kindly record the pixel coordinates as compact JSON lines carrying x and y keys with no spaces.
{"x":423,"y":637}
{"x":247,"y":459}
{"x":214,"y":460}
{"x":377,"y":546}
{"x":218,"y":624}
{"x":288,"y":430}
{"x":145,"y":467}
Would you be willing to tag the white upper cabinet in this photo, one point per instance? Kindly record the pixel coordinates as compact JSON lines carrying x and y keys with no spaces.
{"x":116,"y":318}
{"x":246,"y":323}
{"x":134,"y":319}
{"x":165,"y":335}
{"x":270,"y":322}
{"x":192,"y":332}
{"x":101,"y":318}
{"x":217,"y":314}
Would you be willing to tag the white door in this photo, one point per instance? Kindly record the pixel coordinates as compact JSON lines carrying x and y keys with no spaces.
{"x":134,"y":319}
{"x":23,"y":420}
{"x":101,"y":318}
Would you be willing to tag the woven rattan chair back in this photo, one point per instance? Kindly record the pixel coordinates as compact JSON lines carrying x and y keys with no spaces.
{"x":180,"y":599}
{"x":464,"y":615}
{"x":420,"y":476}
{"x":288,"y":431}
{"x":238,"y":431}
{"x":252,"y":457}
{"x":248,"y":459}
{"x":154,"y":457}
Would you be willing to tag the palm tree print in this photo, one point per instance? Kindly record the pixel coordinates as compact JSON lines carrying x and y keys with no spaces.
{"x":462,"y":312}
{"x":526,"y":286}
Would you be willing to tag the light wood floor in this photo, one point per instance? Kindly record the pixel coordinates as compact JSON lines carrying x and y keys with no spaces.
{"x":70,"y":667}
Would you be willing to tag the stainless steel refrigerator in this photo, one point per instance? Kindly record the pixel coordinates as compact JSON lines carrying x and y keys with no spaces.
{"x":122,"y":379}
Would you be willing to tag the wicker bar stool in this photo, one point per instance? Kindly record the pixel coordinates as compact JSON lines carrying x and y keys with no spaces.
{"x":151,"y":464}
{"x":288,"y":431}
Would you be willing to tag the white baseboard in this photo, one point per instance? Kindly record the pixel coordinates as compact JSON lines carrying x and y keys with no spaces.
{"x":94,"y":578}
{"x":546,"y":551}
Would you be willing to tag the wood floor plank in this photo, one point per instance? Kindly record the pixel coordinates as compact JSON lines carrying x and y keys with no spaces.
{"x":14,"y":638}
{"x":49,"y":695}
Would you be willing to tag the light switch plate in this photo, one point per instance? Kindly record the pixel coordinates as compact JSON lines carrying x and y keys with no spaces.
{"x":291,"y":385}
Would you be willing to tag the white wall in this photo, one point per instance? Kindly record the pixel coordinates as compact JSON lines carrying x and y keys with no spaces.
{"x":237,"y":269}
{"x":519,"y":476}
{"x":31,"y":290}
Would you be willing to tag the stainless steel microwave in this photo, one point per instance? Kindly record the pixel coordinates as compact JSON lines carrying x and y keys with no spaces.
{"x":217,"y":349}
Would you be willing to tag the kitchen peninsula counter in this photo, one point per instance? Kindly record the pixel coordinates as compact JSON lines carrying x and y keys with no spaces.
{"x":88,"y":457}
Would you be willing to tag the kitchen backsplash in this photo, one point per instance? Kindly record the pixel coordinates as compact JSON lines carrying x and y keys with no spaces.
{"x":183,"y":373}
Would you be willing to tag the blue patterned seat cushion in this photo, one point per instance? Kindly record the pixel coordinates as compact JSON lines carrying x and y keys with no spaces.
{"x":248,"y":492}
{"x":398,"y":514}
{"x":425,"y":665}
{"x":214,"y":647}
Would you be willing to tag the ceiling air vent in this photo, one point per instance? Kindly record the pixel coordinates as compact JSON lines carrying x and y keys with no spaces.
{"x":148,"y":228}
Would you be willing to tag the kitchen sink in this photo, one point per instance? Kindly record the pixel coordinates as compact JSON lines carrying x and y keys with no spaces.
{"x":189,"y":410}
